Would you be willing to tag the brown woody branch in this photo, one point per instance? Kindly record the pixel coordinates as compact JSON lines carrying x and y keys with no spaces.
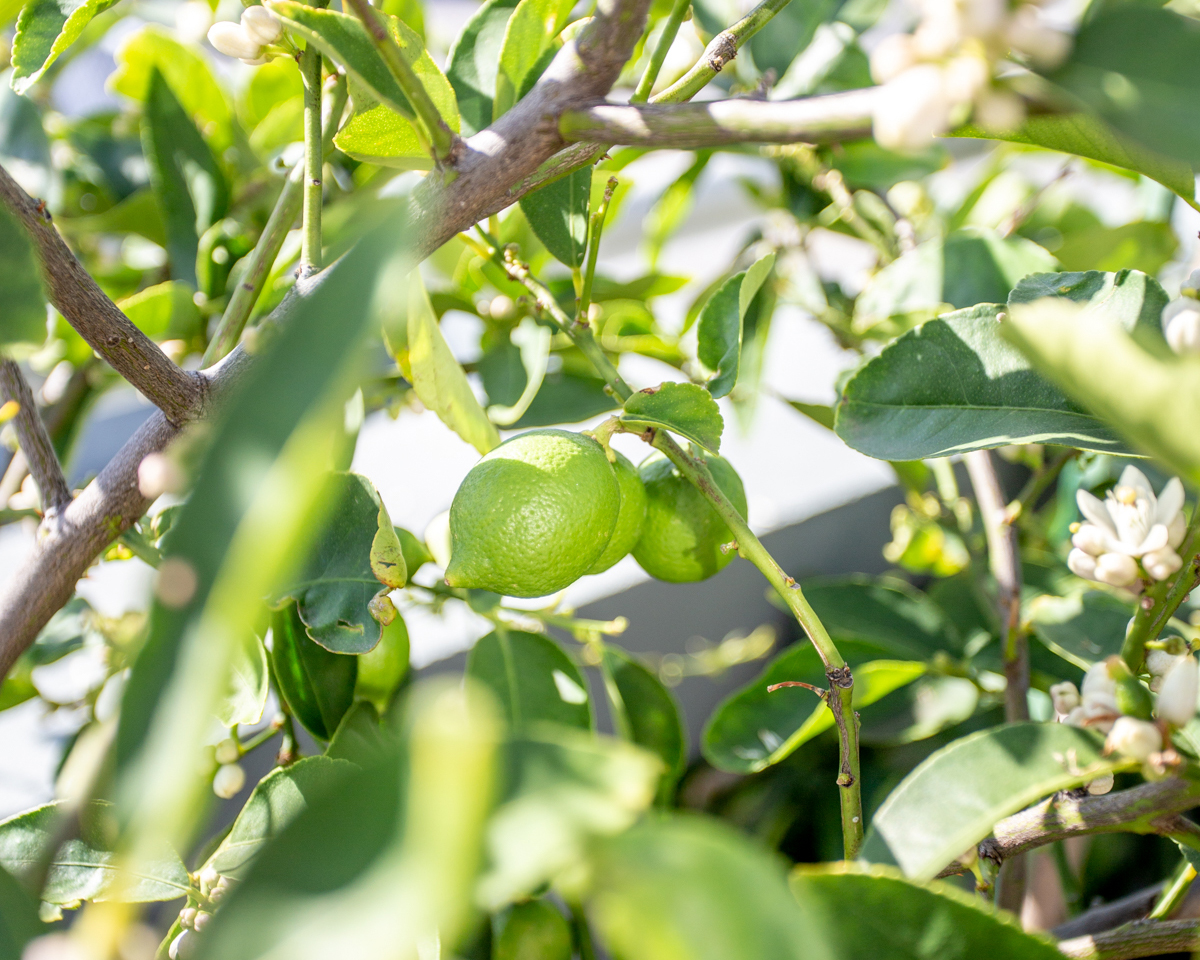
{"x":137,"y":358}
{"x":35,"y":442}
{"x":1141,"y":938}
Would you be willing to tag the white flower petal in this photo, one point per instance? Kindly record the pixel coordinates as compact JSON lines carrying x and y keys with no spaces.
{"x":1170,"y":502}
{"x":1156,"y":539}
{"x":1131,"y":476}
{"x":1082,"y":564}
{"x":1116,"y":569}
{"x":1095,"y":510}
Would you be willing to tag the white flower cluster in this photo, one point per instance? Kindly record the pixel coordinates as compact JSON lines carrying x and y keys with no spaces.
{"x":1130,"y":525}
{"x":246,"y":40}
{"x":1181,"y":317}
{"x":940,"y":74}
{"x":194,"y":919}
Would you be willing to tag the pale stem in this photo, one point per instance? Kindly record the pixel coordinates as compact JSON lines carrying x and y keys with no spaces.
{"x":314,"y":160}
{"x":1175,"y":891}
{"x":665,"y":39}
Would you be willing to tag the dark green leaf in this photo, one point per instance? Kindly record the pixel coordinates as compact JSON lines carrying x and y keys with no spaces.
{"x":651,"y":712}
{"x":474,"y":61}
{"x":188,"y":183}
{"x":690,"y":887}
{"x":683,"y":408}
{"x":360,"y":737}
{"x":918,"y":710}
{"x":85,"y":867}
{"x":901,"y":622}
{"x":337,"y":583}
{"x":563,"y":398}
{"x":317,"y":685}
{"x":1132,"y":65}
{"x":820,"y":413}
{"x":19,"y":921}
{"x":558,"y":214}
{"x":1087,"y":136}
{"x":877,"y":913}
{"x":954,"y":384}
{"x":956,"y":796}
{"x":867,"y":165}
{"x":532,"y":679}
{"x":720,"y":326}
{"x":23,"y":320}
{"x":1082,"y":629}
{"x":45,"y":29}
{"x":527,"y":48}
{"x":280,"y":797}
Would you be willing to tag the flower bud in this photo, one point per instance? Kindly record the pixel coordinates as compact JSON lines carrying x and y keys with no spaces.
{"x":1160,"y":564}
{"x":1134,"y":738}
{"x":892,"y":57}
{"x":1116,"y":569}
{"x":202,"y":919}
{"x":228,"y":751}
{"x":232,"y":40}
{"x":1082,"y":564}
{"x":912,"y":109}
{"x":187,"y":917}
{"x":1101,"y":785}
{"x":1065,"y":697}
{"x":1099,"y":683}
{"x":1090,"y":539}
{"x":229,"y":780}
{"x":208,"y":878}
{"x":1160,"y":662}
{"x":183,"y":946}
{"x":260,"y":24}
{"x":1180,"y":688}
{"x":1027,"y":34}
{"x":1181,"y":324}
{"x":966,"y":75}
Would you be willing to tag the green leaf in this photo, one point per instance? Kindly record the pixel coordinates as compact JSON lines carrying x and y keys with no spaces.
{"x":683,"y":408}
{"x":1146,"y":245}
{"x":564,"y":788}
{"x":563,"y":397}
{"x":1087,"y":357}
{"x":672,"y":208}
{"x":535,"y":930}
{"x":187,"y":181}
{"x":533,"y":680}
{"x":1131,"y":65}
{"x":900,"y":622}
{"x":753,"y":729}
{"x":280,"y":797}
{"x":528,"y":36}
{"x":317,"y":685}
{"x":249,"y":684}
{"x":19,"y":922}
{"x":558,"y":214}
{"x":23,"y":321}
{"x":820,"y":413}
{"x":473,"y":63}
{"x":970,"y":266}
{"x":85,"y":867}
{"x":954,"y":384}
{"x":651,"y":713}
{"x":1082,"y":629}
{"x":1088,"y":136}
{"x":45,"y":28}
{"x":360,"y":738}
{"x":721,"y":322}
{"x":356,"y":557}
{"x":875,"y":912}
{"x":382,"y":670}
{"x":164,"y":311}
{"x":692,"y":887}
{"x":957,"y":795}
{"x":187,"y":74}
{"x":918,"y":711}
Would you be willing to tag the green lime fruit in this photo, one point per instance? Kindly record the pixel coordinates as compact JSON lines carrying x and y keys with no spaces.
{"x":533,"y":515}
{"x":629,"y":520}
{"x":682,"y":534}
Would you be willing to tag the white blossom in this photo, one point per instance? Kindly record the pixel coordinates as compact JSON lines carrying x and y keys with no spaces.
{"x":261,"y":25}
{"x":892,"y":57}
{"x":232,"y":40}
{"x":1177,"y":697}
{"x":1134,"y":738}
{"x":1065,"y":697}
{"x":1116,"y":569}
{"x":1181,"y":325}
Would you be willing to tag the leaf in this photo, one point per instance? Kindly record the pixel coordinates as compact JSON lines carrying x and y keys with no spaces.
{"x":84,"y":867}
{"x":753,"y":729}
{"x":820,"y":413}
{"x":1086,"y":358}
{"x":563,"y":397}
{"x":533,"y":680}
{"x":1130,"y":64}
{"x":317,"y":685}
{"x":954,"y":384}
{"x":564,"y":788}
{"x":900,"y":622}
{"x":875,"y":912}
{"x":1082,"y":629}
{"x":683,"y":408}
{"x":672,"y":208}
{"x":249,"y":684}
{"x":164,"y":311}
{"x":721,"y":321}
{"x":970,"y":266}
{"x":360,"y":738}
{"x":356,"y":556}
{"x":1145,"y":245}
{"x":45,"y":28}
{"x":1088,"y":136}
{"x":474,"y":62}
{"x":437,"y":378}
{"x":187,"y":74}
{"x":651,"y":713}
{"x":19,"y":922}
{"x":528,"y":36}
{"x":958,"y":794}
{"x":23,"y":320}
{"x":558,"y":214}
{"x":187,"y":181}
{"x":692,"y":887}
{"x":919,"y":710}
{"x":280,"y":797}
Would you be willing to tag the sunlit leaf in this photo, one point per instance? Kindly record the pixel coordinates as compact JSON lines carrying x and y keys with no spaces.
{"x":45,"y":28}
{"x":474,"y":62}
{"x":1082,"y":629}
{"x":528,"y":36}
{"x":721,"y":321}
{"x":558,"y":214}
{"x":683,"y":408}
{"x":23,"y":320}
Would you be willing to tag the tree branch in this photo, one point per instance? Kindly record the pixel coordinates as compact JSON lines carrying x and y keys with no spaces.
{"x":137,"y":358}
{"x":1141,"y":938}
{"x":35,"y":442}
{"x":689,"y":126}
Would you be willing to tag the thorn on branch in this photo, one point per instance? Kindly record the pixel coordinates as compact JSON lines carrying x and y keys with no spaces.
{"x":820,"y":692}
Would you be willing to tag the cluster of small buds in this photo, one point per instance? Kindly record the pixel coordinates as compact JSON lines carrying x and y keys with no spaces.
{"x":1181,"y":317}
{"x":942,"y":73}
{"x":1159,"y":662}
{"x":1130,"y":525}
{"x":193,"y":919}
{"x":247,"y":40}
{"x":229,"y":779}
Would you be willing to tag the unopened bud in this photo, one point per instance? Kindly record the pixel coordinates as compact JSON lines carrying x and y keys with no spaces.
{"x":1090,"y":539}
{"x":202,"y":918}
{"x":1101,"y":785}
{"x":230,"y":778}
{"x":187,"y":917}
{"x":1160,"y":564}
{"x":1116,"y":569}
{"x":182,"y":946}
{"x":1177,"y":699}
{"x":1134,"y":738}
{"x":260,"y":24}
{"x":1082,"y":564}
{"x":233,"y":40}
{"x":208,"y":878}
{"x":1065,"y":697}
{"x":228,"y":751}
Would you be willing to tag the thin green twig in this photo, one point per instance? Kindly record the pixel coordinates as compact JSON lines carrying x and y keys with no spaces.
{"x":595,"y":229}
{"x":1161,"y":601}
{"x":314,"y":161}
{"x":665,"y":39}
